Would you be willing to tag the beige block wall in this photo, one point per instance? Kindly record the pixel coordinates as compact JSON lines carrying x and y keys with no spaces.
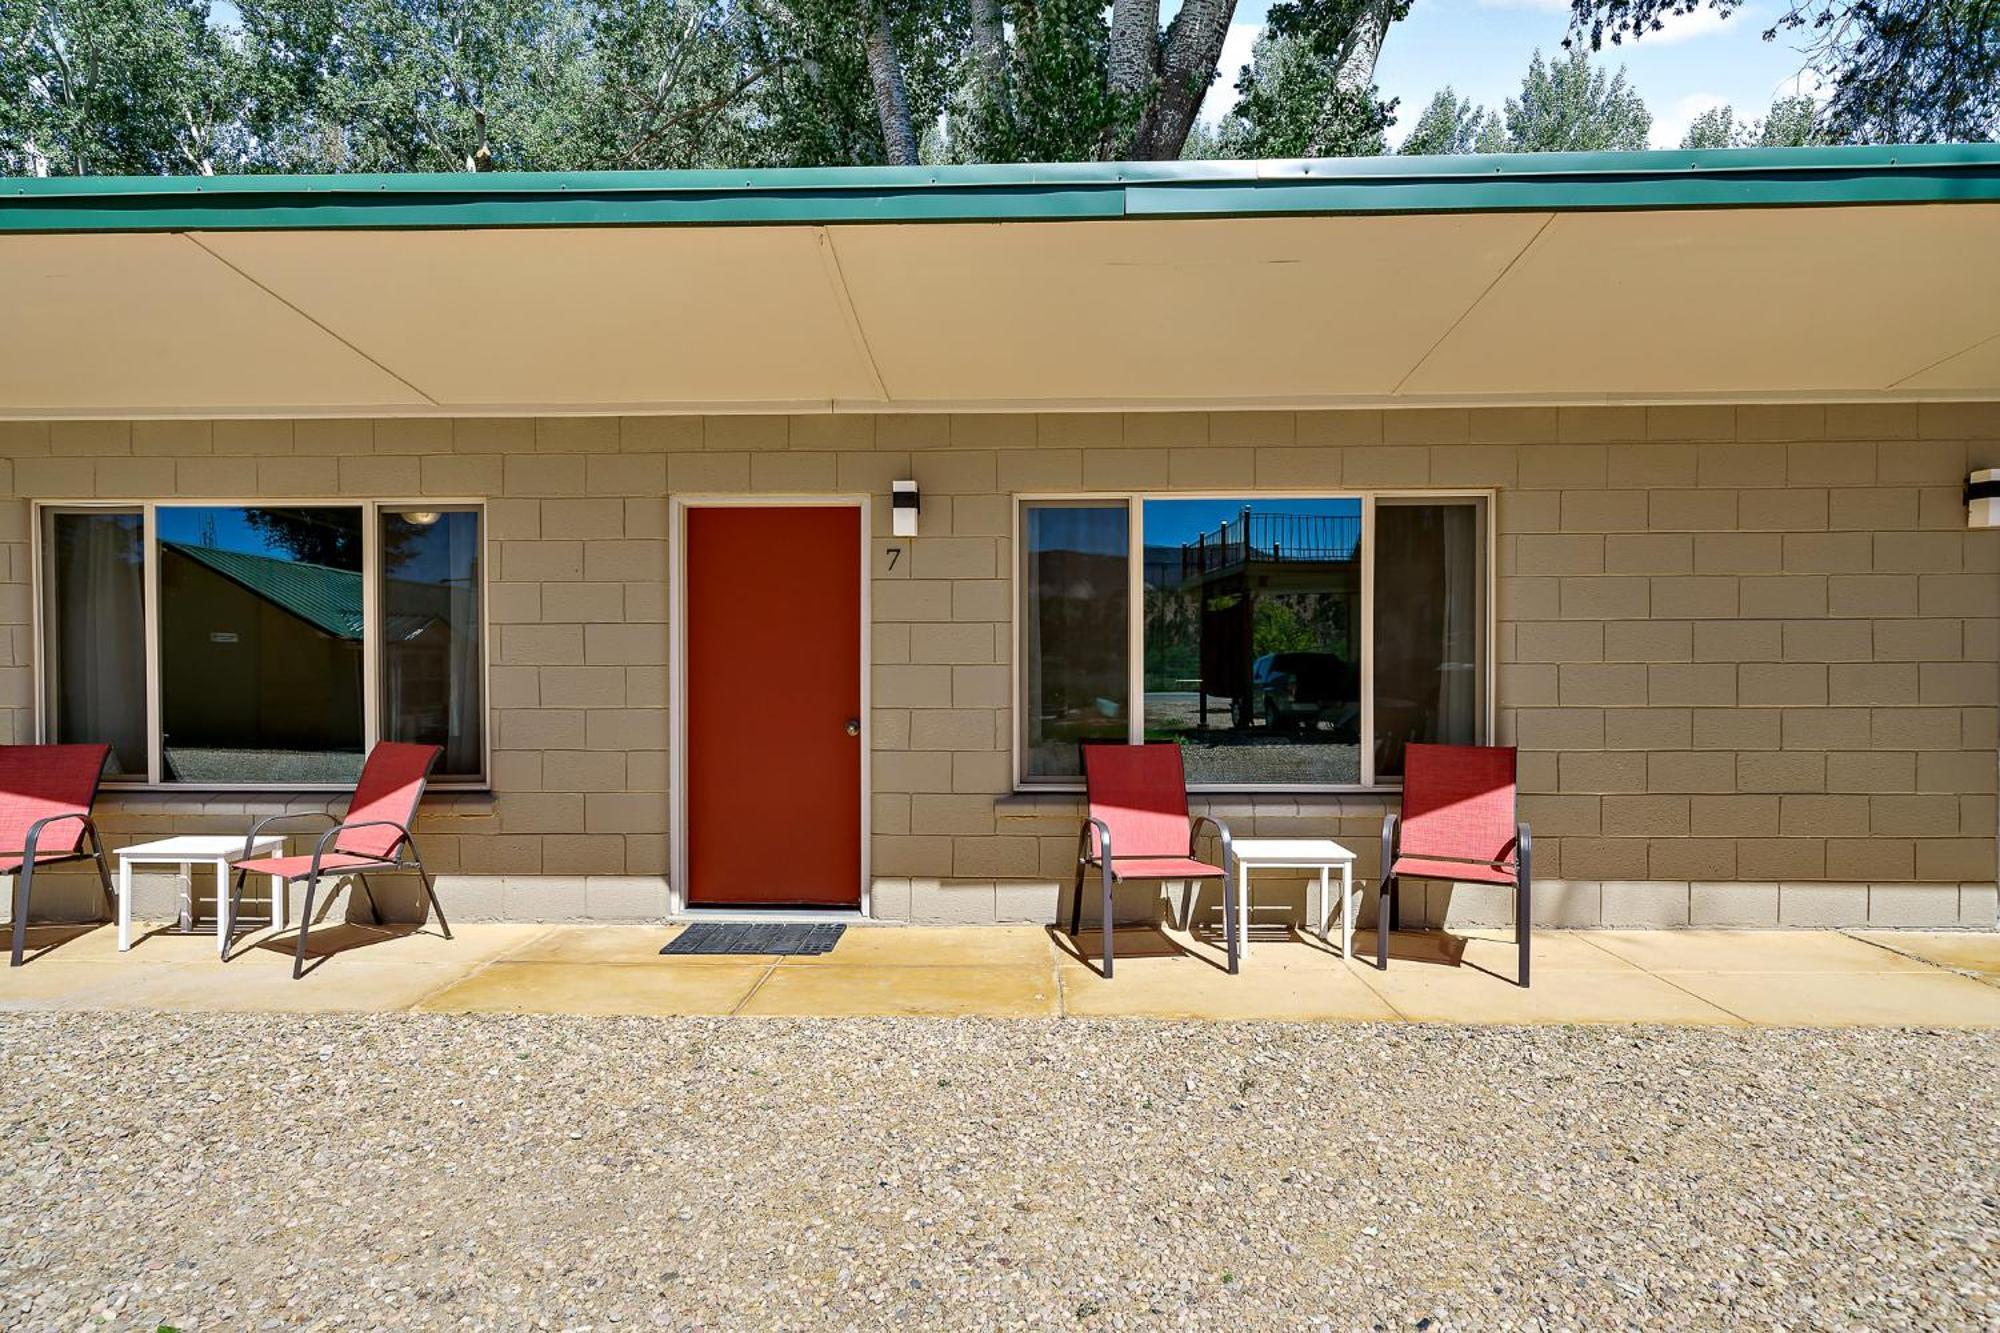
{"x":1751,"y":655}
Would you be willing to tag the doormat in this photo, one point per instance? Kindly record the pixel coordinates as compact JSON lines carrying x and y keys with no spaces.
{"x":711,"y":937}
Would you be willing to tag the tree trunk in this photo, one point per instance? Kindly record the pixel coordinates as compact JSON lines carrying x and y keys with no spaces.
{"x":1135,"y":45}
{"x":989,"y":54}
{"x":1356,"y":71}
{"x":1132,"y":68}
{"x":892,"y":102}
{"x":1187,"y":67}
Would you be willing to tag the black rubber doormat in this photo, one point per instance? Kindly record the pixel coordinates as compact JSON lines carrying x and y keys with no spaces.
{"x":710,"y":937}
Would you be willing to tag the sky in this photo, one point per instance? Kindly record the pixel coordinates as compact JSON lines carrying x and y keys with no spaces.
{"x":1481,"y":48}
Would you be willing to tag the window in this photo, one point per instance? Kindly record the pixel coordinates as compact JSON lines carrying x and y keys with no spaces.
{"x":264,"y":645}
{"x":1280,"y":641}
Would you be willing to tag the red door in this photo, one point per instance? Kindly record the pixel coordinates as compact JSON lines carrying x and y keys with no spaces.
{"x":773,"y":644}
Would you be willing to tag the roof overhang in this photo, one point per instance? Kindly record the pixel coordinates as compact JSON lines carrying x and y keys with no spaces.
{"x":1753,"y":275}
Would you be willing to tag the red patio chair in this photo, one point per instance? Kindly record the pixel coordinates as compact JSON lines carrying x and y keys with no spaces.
{"x":1458,"y":823}
{"x":373,"y":836}
{"x":48,"y":787}
{"x":1138,"y":829}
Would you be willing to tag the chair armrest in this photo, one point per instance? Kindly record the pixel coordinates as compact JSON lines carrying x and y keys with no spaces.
{"x":250,"y":839}
{"x":1103,"y":840}
{"x":1221,"y":836}
{"x":1524,"y":848}
{"x":35,"y":831}
{"x":1391,"y":827}
{"x":338,"y":829}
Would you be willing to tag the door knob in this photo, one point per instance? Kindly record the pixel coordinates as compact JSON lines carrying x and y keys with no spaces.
{"x":854,"y":726}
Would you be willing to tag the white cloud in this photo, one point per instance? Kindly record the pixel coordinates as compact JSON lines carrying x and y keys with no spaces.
{"x":1236,"y":48}
{"x":1546,"y":6}
{"x":1671,"y":126}
{"x":1701,"y":23}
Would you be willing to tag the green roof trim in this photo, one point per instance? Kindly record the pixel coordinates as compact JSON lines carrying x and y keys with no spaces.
{"x":1723,"y":178}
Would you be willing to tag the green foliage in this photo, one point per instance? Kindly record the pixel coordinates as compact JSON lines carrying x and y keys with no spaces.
{"x":1292,"y":104}
{"x":1569,"y":106}
{"x":1062,"y":106}
{"x":1279,"y":627}
{"x":1713,"y":128}
{"x":117,"y":86}
{"x":1454,"y":124}
{"x":1899,"y":71}
{"x":1792,"y":123}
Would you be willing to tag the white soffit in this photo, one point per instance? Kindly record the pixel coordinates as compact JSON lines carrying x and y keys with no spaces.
{"x":97,"y":324}
{"x":1737,"y":302}
{"x":1266,"y":308}
{"x":600,"y":317}
{"x":1744,"y":304}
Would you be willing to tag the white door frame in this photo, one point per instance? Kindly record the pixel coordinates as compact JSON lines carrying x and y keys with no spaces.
{"x":677,"y":508}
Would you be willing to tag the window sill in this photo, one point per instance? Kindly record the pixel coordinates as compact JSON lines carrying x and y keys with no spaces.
{"x":277,"y":800}
{"x":1033,"y":804}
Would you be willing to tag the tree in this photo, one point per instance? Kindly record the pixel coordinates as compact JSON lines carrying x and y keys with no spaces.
{"x":1792,"y":123}
{"x":1569,"y":106}
{"x":405,"y":85}
{"x":1899,"y":71}
{"x":1293,"y":104}
{"x":131,"y":87}
{"x":1451,"y":124}
{"x":1714,"y":128}
{"x":1309,"y":90}
{"x":1160,"y":78}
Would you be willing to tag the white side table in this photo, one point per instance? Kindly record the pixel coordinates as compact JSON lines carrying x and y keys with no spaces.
{"x":187,"y":852}
{"x":1321,"y":854}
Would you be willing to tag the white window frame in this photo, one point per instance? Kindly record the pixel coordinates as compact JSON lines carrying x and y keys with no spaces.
{"x":1135,"y":536}
{"x":372,"y":510}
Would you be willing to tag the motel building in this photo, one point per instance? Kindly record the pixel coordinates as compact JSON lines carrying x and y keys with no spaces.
{"x":771,"y":540}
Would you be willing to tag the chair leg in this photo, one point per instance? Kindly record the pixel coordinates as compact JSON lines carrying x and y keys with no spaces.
{"x":1523,"y":919}
{"x":103,"y":874}
{"x":1385,"y":913}
{"x":1076,"y":900}
{"x":305,"y":924}
{"x":431,"y":894}
{"x":22,"y":879}
{"x":1106,"y":875}
{"x":1229,"y":940}
{"x":235,"y":911}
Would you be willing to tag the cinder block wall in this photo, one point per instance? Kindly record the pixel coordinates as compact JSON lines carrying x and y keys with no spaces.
{"x":1751,"y":655}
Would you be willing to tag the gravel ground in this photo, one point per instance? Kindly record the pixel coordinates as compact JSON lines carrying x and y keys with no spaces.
{"x":410,"y":1171}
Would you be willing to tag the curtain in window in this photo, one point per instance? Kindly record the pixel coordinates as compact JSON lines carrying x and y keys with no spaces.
{"x":96,"y":635}
{"x":1427,"y":680}
{"x":432,"y":677}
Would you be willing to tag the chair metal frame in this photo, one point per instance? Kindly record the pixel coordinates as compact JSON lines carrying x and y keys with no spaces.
{"x":1389,"y":902}
{"x":24,"y":877}
{"x":313,"y":873}
{"x":1108,"y":873}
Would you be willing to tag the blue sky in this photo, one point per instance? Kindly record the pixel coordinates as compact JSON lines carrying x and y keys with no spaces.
{"x":1482,"y":47}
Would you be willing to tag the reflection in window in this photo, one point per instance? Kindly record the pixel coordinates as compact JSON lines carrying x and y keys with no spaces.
{"x":1427,"y":618}
{"x":1074,"y":620}
{"x":1253,"y":638}
{"x":431,"y":677}
{"x":260,"y":644}
{"x":94,"y":627}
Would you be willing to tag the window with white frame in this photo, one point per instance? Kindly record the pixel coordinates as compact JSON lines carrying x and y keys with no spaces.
{"x":1290,"y":642}
{"x":267,"y":644}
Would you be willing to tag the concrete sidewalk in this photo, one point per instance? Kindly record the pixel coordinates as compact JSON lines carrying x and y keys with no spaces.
{"x":1775,"y":978}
